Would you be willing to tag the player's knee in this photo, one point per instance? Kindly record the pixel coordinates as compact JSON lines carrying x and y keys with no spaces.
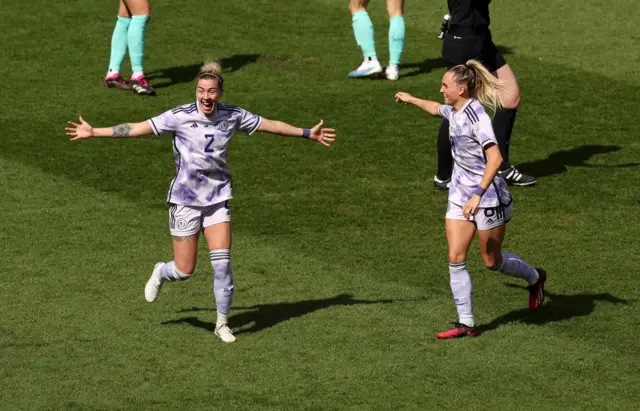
{"x":356,"y":6}
{"x":394,"y":8}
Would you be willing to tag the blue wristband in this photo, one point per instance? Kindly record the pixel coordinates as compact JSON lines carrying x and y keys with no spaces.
{"x":306,"y":132}
{"x":479,"y":191}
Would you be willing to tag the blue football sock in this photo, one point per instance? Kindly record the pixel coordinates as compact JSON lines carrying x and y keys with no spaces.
{"x":136,"y":41}
{"x":396,"y":39}
{"x":363,"y":30}
{"x":119,"y":44}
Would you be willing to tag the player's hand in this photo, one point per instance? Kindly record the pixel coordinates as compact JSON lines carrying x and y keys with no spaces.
{"x":471,"y":206}
{"x":324,"y":136}
{"x":79,"y":131}
{"x":402,"y":97}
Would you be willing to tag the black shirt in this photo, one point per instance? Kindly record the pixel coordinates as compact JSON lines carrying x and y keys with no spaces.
{"x":469,"y":13}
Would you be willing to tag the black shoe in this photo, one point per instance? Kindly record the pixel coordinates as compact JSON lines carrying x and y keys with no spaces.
{"x":515,"y":178}
{"x":116,"y":82}
{"x":140,"y":85}
{"x":441,"y":184}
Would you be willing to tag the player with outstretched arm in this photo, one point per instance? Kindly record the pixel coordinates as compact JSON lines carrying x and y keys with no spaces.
{"x":199,"y":194}
{"x":479,"y":199}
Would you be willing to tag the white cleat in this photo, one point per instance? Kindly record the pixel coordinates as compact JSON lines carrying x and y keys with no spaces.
{"x":392,"y":72}
{"x":152,"y":289}
{"x":367,"y":68}
{"x":224,"y":332}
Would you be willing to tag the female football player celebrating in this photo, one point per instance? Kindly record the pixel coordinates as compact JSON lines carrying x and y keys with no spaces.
{"x":478,"y":197}
{"x":128,"y":34}
{"x":200,"y":193}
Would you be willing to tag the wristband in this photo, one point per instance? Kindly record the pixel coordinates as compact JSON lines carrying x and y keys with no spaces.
{"x":306,"y":132}
{"x":478,"y":191}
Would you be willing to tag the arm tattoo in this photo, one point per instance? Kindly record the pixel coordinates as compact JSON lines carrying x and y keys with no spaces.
{"x":181,"y":239}
{"x":121,"y":130}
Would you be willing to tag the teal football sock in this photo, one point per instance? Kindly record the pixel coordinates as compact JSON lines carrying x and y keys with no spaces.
{"x":396,"y":39}
{"x":136,"y":41}
{"x":119,"y":44}
{"x":363,"y":31}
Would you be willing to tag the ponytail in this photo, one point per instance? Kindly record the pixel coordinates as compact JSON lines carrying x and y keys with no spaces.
{"x":481,"y":84}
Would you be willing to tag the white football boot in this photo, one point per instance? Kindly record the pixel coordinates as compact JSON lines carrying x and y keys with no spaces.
{"x":392,"y":72}
{"x":152,"y":289}
{"x":224,"y":332}
{"x":368,"y":68}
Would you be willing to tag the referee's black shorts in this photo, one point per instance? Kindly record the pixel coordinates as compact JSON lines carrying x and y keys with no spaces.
{"x":458,"y":48}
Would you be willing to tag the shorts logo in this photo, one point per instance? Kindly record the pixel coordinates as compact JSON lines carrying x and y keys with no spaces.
{"x":181,"y":223}
{"x":497,"y":212}
{"x":223,"y":125}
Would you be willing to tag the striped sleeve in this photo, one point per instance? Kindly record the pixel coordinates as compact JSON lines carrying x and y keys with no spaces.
{"x":248,"y":122}
{"x":166,"y":122}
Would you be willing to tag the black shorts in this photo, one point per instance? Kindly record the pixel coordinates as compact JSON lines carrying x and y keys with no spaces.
{"x":457,"y":50}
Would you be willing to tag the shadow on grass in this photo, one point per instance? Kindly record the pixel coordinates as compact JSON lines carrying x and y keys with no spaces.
{"x":557,"y":307}
{"x":186,"y":74}
{"x":264,"y":316}
{"x":560,"y":161}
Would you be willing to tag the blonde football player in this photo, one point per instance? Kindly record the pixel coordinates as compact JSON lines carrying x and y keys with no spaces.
{"x":199,"y":194}
{"x":479,"y":199}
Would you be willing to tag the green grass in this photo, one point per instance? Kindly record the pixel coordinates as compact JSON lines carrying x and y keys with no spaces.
{"x":339,"y":255}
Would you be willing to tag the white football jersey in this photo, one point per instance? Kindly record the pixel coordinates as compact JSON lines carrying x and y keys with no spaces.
{"x":200,"y":147}
{"x":470,"y":131}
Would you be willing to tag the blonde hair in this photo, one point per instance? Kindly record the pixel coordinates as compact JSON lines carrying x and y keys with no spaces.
{"x":480,"y":83}
{"x":211,"y":70}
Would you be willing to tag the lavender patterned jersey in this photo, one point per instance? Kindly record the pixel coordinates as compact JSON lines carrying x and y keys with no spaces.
{"x":470,"y":132}
{"x":200,"y":146}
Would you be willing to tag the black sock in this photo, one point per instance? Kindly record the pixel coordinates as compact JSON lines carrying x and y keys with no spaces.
{"x":502,"y":127}
{"x":445,"y":160}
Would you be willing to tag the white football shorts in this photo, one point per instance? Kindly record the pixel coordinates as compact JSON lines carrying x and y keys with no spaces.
{"x":186,"y":220}
{"x":485,"y":218}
